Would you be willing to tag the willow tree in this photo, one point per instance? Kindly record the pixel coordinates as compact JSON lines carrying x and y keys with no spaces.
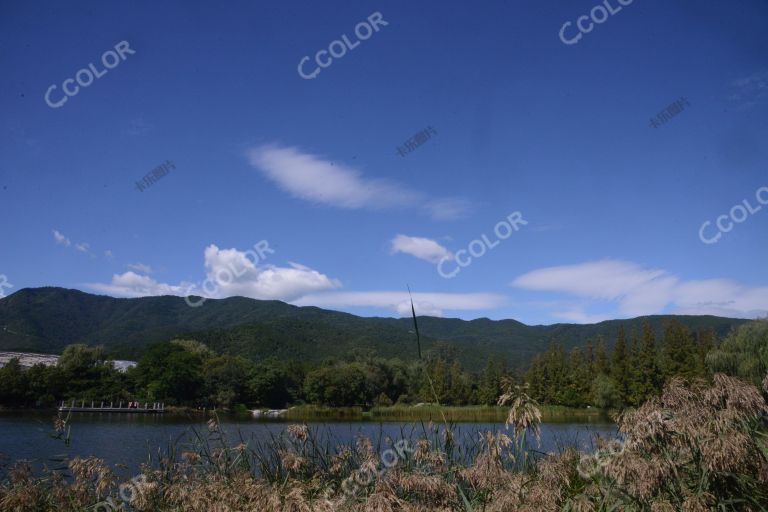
{"x":743,"y":353}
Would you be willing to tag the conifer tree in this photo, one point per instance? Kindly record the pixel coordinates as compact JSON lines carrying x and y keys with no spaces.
{"x":579,"y":381}
{"x":619,"y":370}
{"x":679,"y":353}
{"x":458,"y":387}
{"x":705,"y":342}
{"x":489,"y":388}
{"x":633,"y":372}
{"x":589,"y":357}
{"x":601,"y":366}
{"x":649,"y":381}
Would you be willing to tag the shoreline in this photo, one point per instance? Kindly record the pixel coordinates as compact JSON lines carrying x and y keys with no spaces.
{"x":388,"y":414}
{"x":428,"y":412}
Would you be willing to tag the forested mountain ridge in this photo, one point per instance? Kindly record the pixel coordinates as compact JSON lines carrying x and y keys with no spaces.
{"x":48,"y":319}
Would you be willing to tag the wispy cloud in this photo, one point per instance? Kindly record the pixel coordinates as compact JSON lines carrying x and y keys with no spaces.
{"x":61,"y":239}
{"x":750,"y":90}
{"x":422,"y":248}
{"x":140,"y":267}
{"x":447,"y":209}
{"x":636,"y":291}
{"x":81,"y":247}
{"x":312,"y":178}
{"x":577,"y":315}
{"x":431,"y":304}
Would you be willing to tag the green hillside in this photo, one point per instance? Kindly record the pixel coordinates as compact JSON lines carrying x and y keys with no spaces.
{"x":48,"y":319}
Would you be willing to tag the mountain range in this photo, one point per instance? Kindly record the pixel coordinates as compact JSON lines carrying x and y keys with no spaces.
{"x":47,"y":319}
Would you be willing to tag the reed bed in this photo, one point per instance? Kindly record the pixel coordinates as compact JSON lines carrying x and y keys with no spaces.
{"x":437,"y":413}
{"x":432,"y":412}
{"x":319,"y":413}
{"x":696,"y":447}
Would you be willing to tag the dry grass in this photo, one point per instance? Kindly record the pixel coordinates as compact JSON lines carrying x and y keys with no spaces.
{"x":697,"y":447}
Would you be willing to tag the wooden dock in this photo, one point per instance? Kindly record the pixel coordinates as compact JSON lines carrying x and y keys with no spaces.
{"x":129,"y":407}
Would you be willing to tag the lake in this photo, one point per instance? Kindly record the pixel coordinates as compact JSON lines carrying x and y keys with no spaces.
{"x":129,"y":439}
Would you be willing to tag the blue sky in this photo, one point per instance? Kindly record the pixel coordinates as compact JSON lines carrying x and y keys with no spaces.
{"x":520,"y":122}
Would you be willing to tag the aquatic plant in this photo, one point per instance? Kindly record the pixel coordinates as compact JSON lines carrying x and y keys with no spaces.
{"x":698,"y":446}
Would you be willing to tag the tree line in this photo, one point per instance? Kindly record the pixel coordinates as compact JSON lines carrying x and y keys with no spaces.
{"x":188,"y":373}
{"x":634,"y":370}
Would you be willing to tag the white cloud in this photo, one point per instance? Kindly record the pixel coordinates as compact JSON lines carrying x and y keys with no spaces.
{"x":447,"y":209}
{"x":577,"y":315}
{"x":422,"y":248}
{"x":108,"y":254}
{"x":131,"y":284}
{"x":309,"y":177}
{"x":722,"y":297}
{"x":421,"y":308}
{"x":140,"y":267}
{"x":640,"y":291}
{"x":607,"y":279}
{"x":236,"y":274}
{"x":432,"y":304}
{"x":229,"y":273}
{"x":61,"y":239}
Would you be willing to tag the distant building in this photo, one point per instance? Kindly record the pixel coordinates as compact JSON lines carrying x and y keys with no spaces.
{"x":123,"y":365}
{"x":28,"y":360}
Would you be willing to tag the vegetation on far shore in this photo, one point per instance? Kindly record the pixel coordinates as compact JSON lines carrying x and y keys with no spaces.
{"x":433,"y":412}
{"x":187,"y":373}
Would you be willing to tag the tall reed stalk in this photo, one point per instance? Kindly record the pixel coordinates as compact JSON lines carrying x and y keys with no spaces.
{"x":448,"y":443}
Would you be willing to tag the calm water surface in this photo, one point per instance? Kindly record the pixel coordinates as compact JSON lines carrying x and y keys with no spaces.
{"x":130,"y":439}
